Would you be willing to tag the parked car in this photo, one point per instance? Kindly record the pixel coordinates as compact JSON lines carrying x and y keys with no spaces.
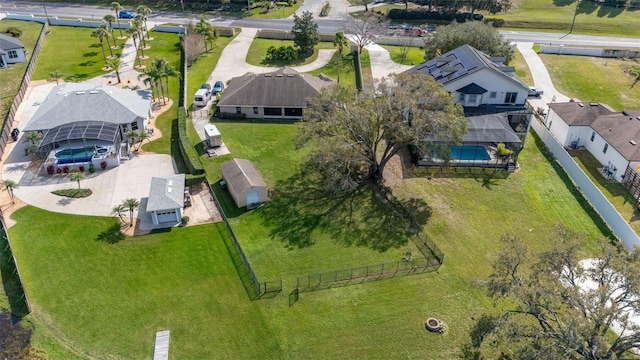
{"x":218,"y":87}
{"x":125,"y":14}
{"x":206,"y":86}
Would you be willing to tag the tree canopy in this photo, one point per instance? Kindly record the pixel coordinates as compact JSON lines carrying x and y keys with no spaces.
{"x":305,"y":33}
{"x":481,"y":36}
{"x":562,"y":306}
{"x":357,"y":133}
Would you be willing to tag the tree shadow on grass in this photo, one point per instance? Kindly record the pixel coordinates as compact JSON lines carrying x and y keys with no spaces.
{"x":11,"y":281}
{"x":112,"y":235}
{"x":367,"y":217}
{"x":90,"y":54}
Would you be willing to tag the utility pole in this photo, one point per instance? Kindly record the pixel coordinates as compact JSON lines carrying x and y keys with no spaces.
{"x":574,"y":16}
{"x":45,"y":12}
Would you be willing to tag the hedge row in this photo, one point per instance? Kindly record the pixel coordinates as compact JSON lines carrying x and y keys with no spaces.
{"x":190,"y":180}
{"x":401,"y":14}
{"x":187,"y":150}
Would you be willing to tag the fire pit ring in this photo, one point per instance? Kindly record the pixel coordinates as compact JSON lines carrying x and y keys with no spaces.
{"x":435,"y":325}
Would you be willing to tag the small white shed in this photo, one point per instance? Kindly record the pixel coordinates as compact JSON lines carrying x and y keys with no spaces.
{"x":166,"y":199}
{"x":213,"y":136}
{"x":244,"y":183}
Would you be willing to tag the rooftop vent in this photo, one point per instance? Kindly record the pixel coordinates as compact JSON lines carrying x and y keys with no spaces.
{"x":267,"y":75}
{"x":290,"y":75}
{"x":278,"y":75}
{"x":581,"y":104}
{"x":633,"y":142}
{"x":93,"y":92}
{"x":80,"y":92}
{"x":170,"y":182}
{"x":169,"y":190}
{"x":594,"y":104}
{"x":625,"y":113}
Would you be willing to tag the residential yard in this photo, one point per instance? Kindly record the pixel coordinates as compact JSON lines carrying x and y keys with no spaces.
{"x":522,"y":69}
{"x":613,"y":190}
{"x":183,"y":280}
{"x":347,"y":69}
{"x":11,"y":77}
{"x":414,"y":55}
{"x":80,"y":62}
{"x":594,"y":79}
{"x":258,"y":52}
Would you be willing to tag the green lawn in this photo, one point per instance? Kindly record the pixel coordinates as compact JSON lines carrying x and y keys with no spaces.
{"x":183,"y":280}
{"x":258,"y":52}
{"x":347,"y":69}
{"x":592,"y":18}
{"x":414,"y":55}
{"x":79,"y":62}
{"x":11,"y":77}
{"x":606,"y":81}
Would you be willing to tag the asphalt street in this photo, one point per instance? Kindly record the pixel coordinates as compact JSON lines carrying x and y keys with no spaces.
{"x":331,"y":25}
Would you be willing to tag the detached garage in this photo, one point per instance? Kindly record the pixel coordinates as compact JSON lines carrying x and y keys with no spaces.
{"x":166,"y":200}
{"x":244,"y":183}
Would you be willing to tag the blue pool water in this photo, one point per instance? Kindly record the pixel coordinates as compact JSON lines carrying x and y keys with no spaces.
{"x":469,"y":152}
{"x":70,"y":156}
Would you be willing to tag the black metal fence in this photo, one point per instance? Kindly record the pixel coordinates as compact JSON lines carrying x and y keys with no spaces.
{"x":10,"y":117}
{"x":255,"y":288}
{"x":357,"y":275}
{"x":18,"y":299}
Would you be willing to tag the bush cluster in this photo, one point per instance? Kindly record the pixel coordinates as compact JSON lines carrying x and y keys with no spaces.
{"x":282,"y":53}
{"x":231,"y":116}
{"x":401,"y":14}
{"x":187,"y":150}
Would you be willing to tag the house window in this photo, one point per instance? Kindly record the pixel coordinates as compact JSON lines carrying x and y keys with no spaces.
{"x":255,"y":110}
{"x":493,"y":94}
{"x":238,"y":110}
{"x":606,"y":147}
{"x":593,"y":135}
{"x":12,"y":54}
{"x":472,"y":98}
{"x":461,"y":98}
{"x":510,"y":98}
{"x":268,"y":111}
{"x":134,"y":125}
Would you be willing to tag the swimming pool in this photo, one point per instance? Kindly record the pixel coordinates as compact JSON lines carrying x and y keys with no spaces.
{"x":469,"y":152}
{"x":70,"y":156}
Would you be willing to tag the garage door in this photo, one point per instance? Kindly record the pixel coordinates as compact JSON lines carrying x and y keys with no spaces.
{"x":253,"y":198}
{"x":166,"y":216}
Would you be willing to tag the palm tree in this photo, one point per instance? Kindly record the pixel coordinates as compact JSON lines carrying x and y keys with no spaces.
{"x":115,"y":6}
{"x":340,"y":41}
{"x":32,"y":137}
{"x":10,"y":185}
{"x":138,"y":21}
{"x":107,"y":35}
{"x":115,"y":65}
{"x":56,"y":75}
{"x":77,"y":176}
{"x":132,"y":135}
{"x":144,"y":10}
{"x":99,"y":33}
{"x":109,"y":19}
{"x":205,"y":29}
{"x":166,"y":70}
{"x":119,"y":210}
{"x":32,"y":150}
{"x":133,"y":32}
{"x":150,"y":77}
{"x":635,"y":72}
{"x":142,"y":135}
{"x":131,"y":204}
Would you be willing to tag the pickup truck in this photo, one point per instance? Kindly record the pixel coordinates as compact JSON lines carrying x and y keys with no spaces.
{"x":535,"y":92}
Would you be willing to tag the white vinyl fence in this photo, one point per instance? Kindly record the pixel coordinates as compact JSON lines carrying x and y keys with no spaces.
{"x":602,"y":205}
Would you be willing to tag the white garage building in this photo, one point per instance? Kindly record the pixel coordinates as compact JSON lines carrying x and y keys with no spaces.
{"x":166,"y":200}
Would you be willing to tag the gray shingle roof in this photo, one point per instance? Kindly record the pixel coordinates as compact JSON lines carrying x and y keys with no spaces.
{"x":621,"y":130}
{"x":577,"y":113}
{"x":282,"y":88}
{"x":462,"y":61}
{"x":9,"y":42}
{"x":242,"y":174}
{"x":166,"y":193}
{"x":71,"y":102}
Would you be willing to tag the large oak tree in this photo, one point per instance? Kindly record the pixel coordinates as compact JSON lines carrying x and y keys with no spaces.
{"x":357,"y":133}
{"x":561,"y":306}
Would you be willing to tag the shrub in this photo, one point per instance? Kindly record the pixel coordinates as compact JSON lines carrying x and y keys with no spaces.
{"x":282,"y":53}
{"x":502,"y":150}
{"x":185,"y":220}
{"x":402,"y":14}
{"x":282,"y":3}
{"x":187,"y":150}
{"x":50,"y":169}
{"x":103,"y":165}
{"x":65,"y":169}
{"x":190,"y":180}
{"x":232,"y":116}
{"x":92,"y":168}
{"x":81,"y":168}
{"x":58,"y":170}
{"x":15,"y":32}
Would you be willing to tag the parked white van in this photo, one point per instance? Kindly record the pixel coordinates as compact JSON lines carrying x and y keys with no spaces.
{"x":202,"y":97}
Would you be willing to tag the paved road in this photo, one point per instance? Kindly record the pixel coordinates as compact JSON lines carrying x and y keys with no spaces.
{"x":331,"y":25}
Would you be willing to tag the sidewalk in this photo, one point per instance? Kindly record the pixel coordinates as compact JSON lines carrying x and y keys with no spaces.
{"x":128,"y":74}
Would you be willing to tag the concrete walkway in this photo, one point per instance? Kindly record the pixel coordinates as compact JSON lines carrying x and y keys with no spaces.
{"x":128,"y":73}
{"x":541,"y":78}
{"x":381,"y":63}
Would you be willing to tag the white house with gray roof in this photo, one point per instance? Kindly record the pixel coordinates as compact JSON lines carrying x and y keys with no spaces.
{"x":166,"y":200}
{"x":82,"y":124}
{"x":11,"y":51}
{"x":476,"y":79}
